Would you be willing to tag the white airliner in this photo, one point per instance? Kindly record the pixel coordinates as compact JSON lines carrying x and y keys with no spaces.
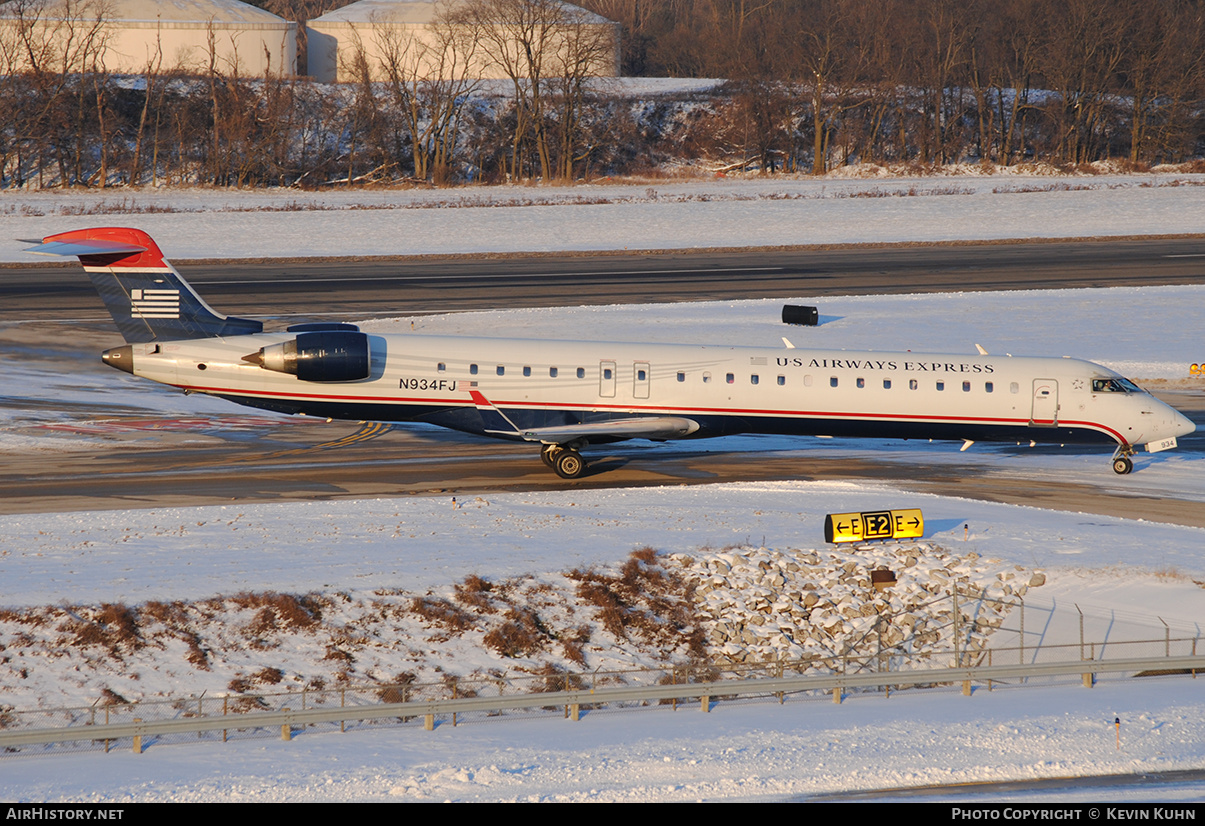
{"x":566,"y":395}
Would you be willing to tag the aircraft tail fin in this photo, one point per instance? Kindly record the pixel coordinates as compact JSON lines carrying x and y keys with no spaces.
{"x":148,"y":299}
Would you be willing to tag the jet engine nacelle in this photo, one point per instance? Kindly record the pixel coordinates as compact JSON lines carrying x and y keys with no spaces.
{"x":327,"y":356}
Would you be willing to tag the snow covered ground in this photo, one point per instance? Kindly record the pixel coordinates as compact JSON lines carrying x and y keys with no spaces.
{"x":599,"y":216}
{"x":1118,"y":571}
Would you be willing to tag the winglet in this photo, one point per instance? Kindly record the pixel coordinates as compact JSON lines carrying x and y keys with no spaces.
{"x":495,"y":420}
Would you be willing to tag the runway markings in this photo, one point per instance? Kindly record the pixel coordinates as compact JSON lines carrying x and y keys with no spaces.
{"x":368,"y":432}
{"x":484,"y":276}
{"x":175,"y":424}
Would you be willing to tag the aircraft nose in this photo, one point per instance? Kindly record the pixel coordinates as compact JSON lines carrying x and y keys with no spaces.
{"x":1182,"y":425}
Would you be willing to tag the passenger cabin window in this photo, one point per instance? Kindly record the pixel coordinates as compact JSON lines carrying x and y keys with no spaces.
{"x":730,"y":378}
{"x":681,"y":377}
{"x":886,"y":384}
{"x":501,"y":370}
{"x":526,"y":371}
{"x":706,"y":378}
{"x":941,"y":385}
{"x":552,"y":372}
{"x":861,"y":383}
{"x":966,"y":387}
{"x":441,"y":367}
{"x":782,"y":380}
{"x":832,"y":382}
{"x":753,"y":379}
{"x":1014,"y":388}
{"x":472,"y":369}
{"x":988,"y":387}
{"x":581,"y":372}
{"x":913,"y":384}
{"x":807,"y":381}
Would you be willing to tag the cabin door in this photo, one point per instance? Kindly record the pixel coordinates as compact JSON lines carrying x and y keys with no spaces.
{"x":1045,"y":412}
{"x":640,"y":379}
{"x":606,"y":379}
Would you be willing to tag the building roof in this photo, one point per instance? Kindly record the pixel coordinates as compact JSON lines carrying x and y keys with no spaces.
{"x":416,"y":12}
{"x":180,"y":12}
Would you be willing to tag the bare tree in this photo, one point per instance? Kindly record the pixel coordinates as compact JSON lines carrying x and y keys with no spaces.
{"x":430,"y":76}
{"x":533,"y":43}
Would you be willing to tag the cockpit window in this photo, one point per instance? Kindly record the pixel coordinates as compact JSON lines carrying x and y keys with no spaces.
{"x":1116,"y":385}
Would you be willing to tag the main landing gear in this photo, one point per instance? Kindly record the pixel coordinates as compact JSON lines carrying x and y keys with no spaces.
{"x":564,"y":459}
{"x":1122,"y":463}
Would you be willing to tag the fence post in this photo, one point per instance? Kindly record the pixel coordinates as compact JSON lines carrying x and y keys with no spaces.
{"x":138,"y":738}
{"x":1022,"y":647}
{"x":286,"y":729}
{"x":954,"y":598}
{"x":1081,"y":630}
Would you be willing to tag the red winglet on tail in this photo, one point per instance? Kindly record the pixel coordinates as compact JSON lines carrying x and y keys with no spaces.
{"x":123,"y":247}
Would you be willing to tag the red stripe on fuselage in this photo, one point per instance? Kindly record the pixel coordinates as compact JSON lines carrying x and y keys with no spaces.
{"x":678,"y":411}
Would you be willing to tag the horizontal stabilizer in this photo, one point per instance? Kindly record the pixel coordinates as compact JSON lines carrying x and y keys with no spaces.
{"x":91,"y":247}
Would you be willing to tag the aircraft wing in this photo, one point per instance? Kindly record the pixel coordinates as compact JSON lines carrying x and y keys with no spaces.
{"x":645,"y":427}
{"x":641,"y":427}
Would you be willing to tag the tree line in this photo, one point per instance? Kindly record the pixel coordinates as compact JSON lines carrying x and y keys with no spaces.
{"x":809,"y":85}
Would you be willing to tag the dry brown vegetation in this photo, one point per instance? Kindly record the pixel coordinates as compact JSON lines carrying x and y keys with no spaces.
{"x":542,"y":626}
{"x":643,"y":599}
{"x":813,"y":85}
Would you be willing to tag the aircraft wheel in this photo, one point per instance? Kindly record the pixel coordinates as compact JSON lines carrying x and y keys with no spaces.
{"x":1122,"y":465}
{"x":568,"y":464}
{"x":547,"y":454}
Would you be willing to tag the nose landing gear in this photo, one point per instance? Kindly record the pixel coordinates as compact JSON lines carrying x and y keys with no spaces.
{"x":1122,"y":463}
